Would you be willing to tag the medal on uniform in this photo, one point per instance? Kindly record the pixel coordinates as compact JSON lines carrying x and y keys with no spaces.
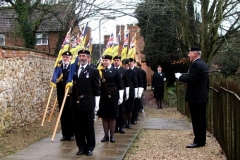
{"x":87,"y":75}
{"x":109,"y":96}
{"x":103,"y":80}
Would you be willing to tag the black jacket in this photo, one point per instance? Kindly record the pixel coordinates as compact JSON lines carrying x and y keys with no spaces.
{"x":197,"y":82}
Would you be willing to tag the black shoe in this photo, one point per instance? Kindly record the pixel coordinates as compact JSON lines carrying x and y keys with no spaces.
{"x":161,"y":107}
{"x":121,"y":130}
{"x":194,"y":145}
{"x":112,"y":139}
{"x":80,"y":152}
{"x":89,"y":153}
{"x":134,"y":122}
{"x":128,"y":126}
{"x":71,"y":139}
{"x":63,"y":139}
{"x":105,"y":138}
{"x":140,"y":111}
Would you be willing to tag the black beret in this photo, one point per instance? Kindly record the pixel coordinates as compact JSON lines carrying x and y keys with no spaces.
{"x":194,"y":49}
{"x":67,"y":53}
{"x":84,"y":52}
{"x":125,"y":61}
{"x":132,"y":60}
{"x":107,"y":57}
{"x":117,"y":57}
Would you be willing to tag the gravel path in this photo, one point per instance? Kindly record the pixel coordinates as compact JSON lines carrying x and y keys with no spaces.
{"x":170,"y":144}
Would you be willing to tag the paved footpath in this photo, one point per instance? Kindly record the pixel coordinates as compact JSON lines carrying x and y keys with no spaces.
{"x":58,"y":150}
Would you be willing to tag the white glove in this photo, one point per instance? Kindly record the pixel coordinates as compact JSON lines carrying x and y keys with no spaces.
{"x":127,"y":92}
{"x":140,"y":91}
{"x":135,"y":92}
{"x":120,"y":97}
{"x":164,"y":79}
{"x":97,"y":99}
{"x":177,"y":75}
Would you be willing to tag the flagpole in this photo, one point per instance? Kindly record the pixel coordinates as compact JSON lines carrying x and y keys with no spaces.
{"x":60,"y":113}
{"x":44,"y":116}
{"x":52,"y":110}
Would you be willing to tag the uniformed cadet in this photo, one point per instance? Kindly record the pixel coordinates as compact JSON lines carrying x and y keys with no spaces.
{"x":120,"y":121}
{"x":67,"y":114}
{"x":129,"y":103}
{"x":139,"y":92}
{"x":86,"y":96}
{"x":111,"y":96}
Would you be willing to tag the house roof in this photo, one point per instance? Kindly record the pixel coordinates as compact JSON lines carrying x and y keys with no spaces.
{"x":53,"y":21}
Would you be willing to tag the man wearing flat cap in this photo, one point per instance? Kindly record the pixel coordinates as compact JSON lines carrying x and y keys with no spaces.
{"x":133,"y":87}
{"x":138,"y":92}
{"x":120,"y":121}
{"x":86,"y":96}
{"x":111,"y":96}
{"x":67,"y":115}
{"x":196,"y":95}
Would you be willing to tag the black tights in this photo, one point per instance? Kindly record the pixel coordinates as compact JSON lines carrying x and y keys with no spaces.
{"x":109,"y":124}
{"x":128,"y":117}
{"x":159,"y":103}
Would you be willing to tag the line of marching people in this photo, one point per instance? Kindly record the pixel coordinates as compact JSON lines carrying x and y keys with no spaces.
{"x":113,"y":92}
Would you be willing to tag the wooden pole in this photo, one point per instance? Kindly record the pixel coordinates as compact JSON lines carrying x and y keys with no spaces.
{"x":45,"y":113}
{"x":60,"y":113}
{"x":52,"y":110}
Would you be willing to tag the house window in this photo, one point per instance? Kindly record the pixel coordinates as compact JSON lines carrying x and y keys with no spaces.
{"x":2,"y":40}
{"x":42,"y":39}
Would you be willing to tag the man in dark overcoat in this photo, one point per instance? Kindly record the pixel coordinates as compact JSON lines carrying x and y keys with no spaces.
{"x":86,"y":96}
{"x":67,"y":114}
{"x":196,"y":95}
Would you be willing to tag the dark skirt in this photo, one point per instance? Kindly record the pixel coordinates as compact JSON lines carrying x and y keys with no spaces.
{"x":108,"y":107}
{"x":158,"y":92}
{"x":129,"y":104}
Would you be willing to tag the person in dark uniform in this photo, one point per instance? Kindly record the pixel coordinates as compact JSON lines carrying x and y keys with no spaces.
{"x":120,"y":121}
{"x":144,"y":76}
{"x":111,"y":96}
{"x":90,"y":61}
{"x":139,"y":92}
{"x":86,"y":96}
{"x":158,"y":80}
{"x":129,"y":103}
{"x":67,"y":114}
{"x":197,"y":95}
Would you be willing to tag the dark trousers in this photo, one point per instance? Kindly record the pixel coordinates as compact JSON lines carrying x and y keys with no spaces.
{"x":141,"y":103}
{"x":67,"y":124}
{"x":120,"y":122}
{"x":198,"y":117}
{"x":84,"y":130}
{"x":136,"y":109}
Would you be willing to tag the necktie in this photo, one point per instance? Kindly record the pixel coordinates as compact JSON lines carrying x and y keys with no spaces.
{"x":65,"y":66}
{"x":82,"y":68}
{"x":106,"y":69}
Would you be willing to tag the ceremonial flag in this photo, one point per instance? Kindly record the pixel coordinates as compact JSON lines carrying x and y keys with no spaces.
{"x":109,"y":45}
{"x":132,"y":51}
{"x":57,"y":73}
{"x":124,"y":53}
{"x":89,"y":46}
{"x":116,"y":45}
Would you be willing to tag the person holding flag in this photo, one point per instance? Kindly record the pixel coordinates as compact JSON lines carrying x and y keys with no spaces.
{"x":86,"y":96}
{"x":67,"y":115}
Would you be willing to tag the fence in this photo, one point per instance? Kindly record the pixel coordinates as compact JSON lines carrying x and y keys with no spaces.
{"x":223,"y":112}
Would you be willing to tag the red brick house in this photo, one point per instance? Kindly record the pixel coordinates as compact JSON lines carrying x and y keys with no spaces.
{"x":47,"y":34}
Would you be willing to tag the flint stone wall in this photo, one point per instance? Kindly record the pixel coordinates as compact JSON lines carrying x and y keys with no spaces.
{"x":24,"y":77}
